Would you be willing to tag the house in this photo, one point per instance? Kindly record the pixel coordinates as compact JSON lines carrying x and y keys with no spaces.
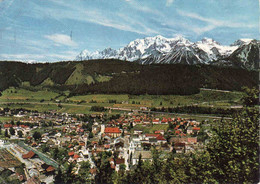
{"x":152,"y":141}
{"x":189,"y":130}
{"x":28,"y":155}
{"x":159,"y":138}
{"x":179,"y":147}
{"x":34,"y":144}
{"x":95,"y":128}
{"x":77,"y":157}
{"x":159,"y":132}
{"x":118,"y":162}
{"x":156,"y":121}
{"x":50,"y":169}
{"x":8,"y":125}
{"x":112,"y":132}
{"x":192,"y":140}
{"x":145,"y":155}
{"x":71,"y":153}
{"x":119,"y":145}
{"x":164,"y":121}
{"x":196,"y":129}
{"x":138,"y":131}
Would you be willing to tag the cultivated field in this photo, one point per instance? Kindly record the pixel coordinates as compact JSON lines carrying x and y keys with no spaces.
{"x":44,"y":100}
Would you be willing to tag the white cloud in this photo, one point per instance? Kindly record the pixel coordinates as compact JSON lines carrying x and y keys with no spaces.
{"x":21,"y":57}
{"x":143,"y":8}
{"x":98,"y":18}
{"x":169,"y":2}
{"x":61,"y":39}
{"x":212,"y":23}
{"x":49,"y":57}
{"x":200,"y":30}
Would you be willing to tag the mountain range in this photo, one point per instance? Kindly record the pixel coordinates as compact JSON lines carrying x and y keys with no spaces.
{"x":160,"y":50}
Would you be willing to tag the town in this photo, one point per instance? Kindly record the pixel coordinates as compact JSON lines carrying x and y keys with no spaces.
{"x":37,"y":145}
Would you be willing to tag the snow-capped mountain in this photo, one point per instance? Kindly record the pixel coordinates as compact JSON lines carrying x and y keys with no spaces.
{"x":246,"y":56}
{"x":137,"y":49}
{"x":214,"y":49}
{"x":159,"y":49}
{"x":106,"y":53}
{"x":242,"y":41}
{"x":204,"y":51}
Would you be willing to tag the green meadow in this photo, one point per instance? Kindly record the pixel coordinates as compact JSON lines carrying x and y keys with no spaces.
{"x":20,"y":94}
{"x":45,"y":99}
{"x":150,"y":128}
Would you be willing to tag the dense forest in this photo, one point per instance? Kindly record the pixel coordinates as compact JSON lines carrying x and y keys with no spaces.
{"x":115,"y":76}
{"x":194,"y":109}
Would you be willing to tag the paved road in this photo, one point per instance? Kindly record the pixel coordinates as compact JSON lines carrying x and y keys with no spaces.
{"x":47,"y":103}
{"x":120,"y":109}
{"x":202,"y":116}
{"x":206,"y":89}
{"x":155,"y":112}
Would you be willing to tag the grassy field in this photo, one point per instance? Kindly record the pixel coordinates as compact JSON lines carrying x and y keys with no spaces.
{"x":215,"y":98}
{"x":150,"y":128}
{"x":16,"y":95}
{"x":5,"y":118}
{"x":75,"y":109}
{"x":100,"y":98}
{"x":167,"y":100}
{"x":205,"y":96}
{"x":31,"y":100}
{"x":39,"y":107}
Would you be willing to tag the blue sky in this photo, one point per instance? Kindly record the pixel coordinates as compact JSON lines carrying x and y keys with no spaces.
{"x":39,"y":30}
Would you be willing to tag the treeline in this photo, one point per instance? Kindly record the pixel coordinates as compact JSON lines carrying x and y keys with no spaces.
{"x":154,"y":83}
{"x":97,"y":109}
{"x":172,"y":79}
{"x":16,"y":111}
{"x":194,"y":109}
{"x":128,"y":77}
{"x":13,"y":73}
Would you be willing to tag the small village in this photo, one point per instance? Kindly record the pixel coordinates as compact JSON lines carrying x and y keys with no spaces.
{"x":36,"y":146}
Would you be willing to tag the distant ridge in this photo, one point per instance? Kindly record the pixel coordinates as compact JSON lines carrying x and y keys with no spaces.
{"x":163,"y":50}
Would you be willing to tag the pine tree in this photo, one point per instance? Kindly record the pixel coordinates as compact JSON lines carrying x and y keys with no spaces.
{"x":12,"y":131}
{"x":6,"y":133}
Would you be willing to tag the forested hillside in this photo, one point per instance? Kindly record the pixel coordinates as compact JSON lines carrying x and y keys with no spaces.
{"x":115,"y":76}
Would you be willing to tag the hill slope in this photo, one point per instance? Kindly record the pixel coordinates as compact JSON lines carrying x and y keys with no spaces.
{"x":115,"y":76}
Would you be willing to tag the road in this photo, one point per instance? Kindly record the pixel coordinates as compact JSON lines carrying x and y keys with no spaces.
{"x":46,"y":103}
{"x":156,"y":112}
{"x":120,"y":109}
{"x":206,"y":89}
